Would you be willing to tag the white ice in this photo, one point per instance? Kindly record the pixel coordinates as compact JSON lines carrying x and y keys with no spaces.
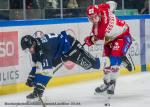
{"x":131,"y":91}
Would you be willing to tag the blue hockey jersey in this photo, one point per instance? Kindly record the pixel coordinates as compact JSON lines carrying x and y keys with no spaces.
{"x":51,"y":46}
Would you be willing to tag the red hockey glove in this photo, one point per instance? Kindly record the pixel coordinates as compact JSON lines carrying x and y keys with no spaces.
{"x":88,"y":41}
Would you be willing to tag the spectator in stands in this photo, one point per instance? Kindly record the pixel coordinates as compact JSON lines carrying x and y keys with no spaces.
{"x":145,"y":9}
{"x":72,"y":4}
{"x":52,"y":3}
{"x":28,"y":4}
{"x":34,"y":4}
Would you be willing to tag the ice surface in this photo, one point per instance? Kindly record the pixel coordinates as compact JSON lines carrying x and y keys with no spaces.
{"x":131,"y":91}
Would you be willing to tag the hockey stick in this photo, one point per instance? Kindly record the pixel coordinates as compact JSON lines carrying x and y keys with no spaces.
{"x":132,"y":61}
{"x":42,"y":102}
{"x":57,"y":68}
{"x":130,"y":55}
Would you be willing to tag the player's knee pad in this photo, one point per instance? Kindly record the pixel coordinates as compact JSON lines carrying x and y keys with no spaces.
{"x":114,"y":72}
{"x":111,"y":73}
{"x":107,"y":70}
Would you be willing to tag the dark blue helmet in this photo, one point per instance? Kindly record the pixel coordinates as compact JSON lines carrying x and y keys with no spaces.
{"x":27,"y":41}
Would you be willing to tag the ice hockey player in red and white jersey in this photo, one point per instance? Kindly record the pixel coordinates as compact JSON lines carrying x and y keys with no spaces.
{"x":117,"y":40}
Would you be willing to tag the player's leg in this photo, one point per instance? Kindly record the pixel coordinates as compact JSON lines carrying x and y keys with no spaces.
{"x":113,"y":50}
{"x":119,"y":52}
{"x":40,"y":80}
{"x":113,"y":78}
{"x":106,"y":81}
{"x":81,"y":57}
{"x":110,"y":77}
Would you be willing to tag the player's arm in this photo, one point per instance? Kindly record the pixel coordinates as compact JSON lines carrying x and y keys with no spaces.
{"x":43,"y":74}
{"x":31,"y":76}
{"x":94,"y":39}
{"x":39,"y":67}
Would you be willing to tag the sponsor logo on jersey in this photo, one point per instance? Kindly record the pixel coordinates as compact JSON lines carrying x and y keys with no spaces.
{"x":116,"y":46}
{"x":8,"y":48}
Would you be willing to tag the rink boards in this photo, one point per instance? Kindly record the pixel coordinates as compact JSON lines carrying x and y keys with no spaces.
{"x":16,"y":64}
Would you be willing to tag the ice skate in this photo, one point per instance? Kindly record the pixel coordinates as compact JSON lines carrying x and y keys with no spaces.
{"x":102,"y":89}
{"x":106,"y":88}
{"x":33,"y":97}
{"x":111,"y":87}
{"x":36,"y":95}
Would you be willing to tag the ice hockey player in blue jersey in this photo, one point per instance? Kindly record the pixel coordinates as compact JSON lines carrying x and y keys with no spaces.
{"x":48,"y":52}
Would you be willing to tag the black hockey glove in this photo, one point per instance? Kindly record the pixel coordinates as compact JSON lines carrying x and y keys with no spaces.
{"x":30,"y":81}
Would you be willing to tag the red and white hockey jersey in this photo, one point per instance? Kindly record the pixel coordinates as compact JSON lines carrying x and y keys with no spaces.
{"x":109,"y":26}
